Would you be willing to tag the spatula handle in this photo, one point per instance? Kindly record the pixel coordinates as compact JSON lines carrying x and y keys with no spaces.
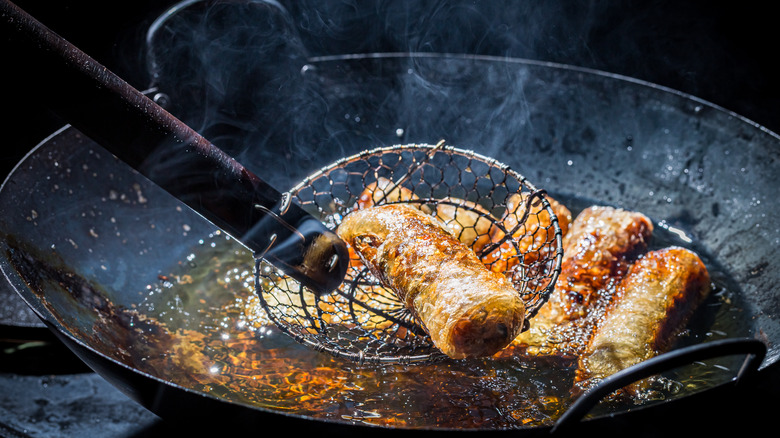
{"x":171,"y":154}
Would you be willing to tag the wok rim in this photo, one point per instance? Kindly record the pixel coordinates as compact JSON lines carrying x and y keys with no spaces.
{"x":76,"y":344}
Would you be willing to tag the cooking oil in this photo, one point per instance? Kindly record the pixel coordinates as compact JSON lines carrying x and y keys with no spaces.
{"x":221,"y":342}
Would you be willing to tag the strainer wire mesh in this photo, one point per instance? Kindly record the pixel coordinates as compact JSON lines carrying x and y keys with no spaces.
{"x":506,"y":220}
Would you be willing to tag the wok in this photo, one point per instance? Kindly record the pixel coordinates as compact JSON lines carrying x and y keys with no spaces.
{"x":200,"y":174}
{"x":120,"y":270}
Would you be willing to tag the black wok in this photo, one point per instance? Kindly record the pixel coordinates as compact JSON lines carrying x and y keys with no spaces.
{"x":705,"y":175}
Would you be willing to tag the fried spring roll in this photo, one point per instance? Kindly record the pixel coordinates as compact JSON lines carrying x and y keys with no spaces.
{"x":652,"y":304}
{"x":475,"y":227}
{"x":471,"y":223}
{"x":598,"y":249}
{"x":468,"y":310}
{"x":468,"y":221}
{"x":384,"y":191}
{"x":531,"y":242}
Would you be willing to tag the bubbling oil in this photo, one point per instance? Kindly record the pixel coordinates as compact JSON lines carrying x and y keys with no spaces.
{"x":225,"y":345}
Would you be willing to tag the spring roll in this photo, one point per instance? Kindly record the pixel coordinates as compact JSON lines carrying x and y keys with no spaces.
{"x":598,"y":249}
{"x":651,"y":306}
{"x":533,"y":241}
{"x":384,"y":191}
{"x":528,"y":257}
{"x":471,"y":223}
{"x":466,"y":220}
{"x":468,"y":310}
{"x":475,"y":226}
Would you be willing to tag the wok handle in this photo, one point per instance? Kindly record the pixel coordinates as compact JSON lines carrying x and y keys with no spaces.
{"x":753,"y":348}
{"x":168,"y":152}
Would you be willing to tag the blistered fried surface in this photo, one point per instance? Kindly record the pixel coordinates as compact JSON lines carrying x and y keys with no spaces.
{"x":467,"y":309}
{"x":533,"y":233}
{"x":652,"y":303}
{"x":598,"y":248}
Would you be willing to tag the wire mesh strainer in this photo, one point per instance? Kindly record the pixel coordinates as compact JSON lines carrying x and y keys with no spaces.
{"x":491,"y":208}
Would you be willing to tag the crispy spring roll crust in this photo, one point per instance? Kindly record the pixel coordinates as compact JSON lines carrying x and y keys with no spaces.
{"x":474,"y":226}
{"x":469,"y":222}
{"x":598,"y":248}
{"x":383,"y":191}
{"x":534,"y":240}
{"x":652,"y":303}
{"x":468,"y":310}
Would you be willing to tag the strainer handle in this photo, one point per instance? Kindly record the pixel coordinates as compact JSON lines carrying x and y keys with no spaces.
{"x":753,"y":348}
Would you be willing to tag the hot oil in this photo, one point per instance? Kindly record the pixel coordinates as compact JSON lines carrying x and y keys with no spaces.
{"x":226,"y":346}
{"x":222,"y":343}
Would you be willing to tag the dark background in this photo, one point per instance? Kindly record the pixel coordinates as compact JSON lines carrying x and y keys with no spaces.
{"x":722,"y":52}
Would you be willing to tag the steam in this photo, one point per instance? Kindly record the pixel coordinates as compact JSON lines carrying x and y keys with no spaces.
{"x":271,"y":83}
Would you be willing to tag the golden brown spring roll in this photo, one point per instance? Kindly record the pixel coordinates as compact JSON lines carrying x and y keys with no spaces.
{"x":534,"y":240}
{"x":475,"y":227}
{"x":468,"y":310}
{"x":538,"y":222}
{"x":383,"y":191}
{"x":598,"y":248}
{"x":471,"y":223}
{"x":468,"y":221}
{"x":652,"y":304}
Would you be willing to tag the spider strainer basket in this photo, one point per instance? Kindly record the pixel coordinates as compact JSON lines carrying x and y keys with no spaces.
{"x":507,"y":221}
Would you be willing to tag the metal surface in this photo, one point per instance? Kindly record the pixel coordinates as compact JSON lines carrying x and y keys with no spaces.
{"x":368,"y":323}
{"x":753,"y":349}
{"x":170,"y":153}
{"x":696,"y":413}
{"x":120,"y":259}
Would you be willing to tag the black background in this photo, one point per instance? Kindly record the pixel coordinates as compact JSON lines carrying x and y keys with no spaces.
{"x":722,"y":52}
